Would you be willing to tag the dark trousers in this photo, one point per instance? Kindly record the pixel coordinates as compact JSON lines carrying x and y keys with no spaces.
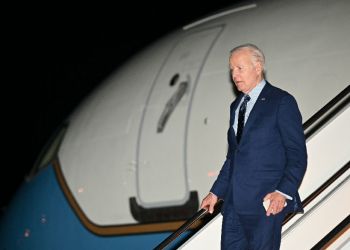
{"x":253,"y":231}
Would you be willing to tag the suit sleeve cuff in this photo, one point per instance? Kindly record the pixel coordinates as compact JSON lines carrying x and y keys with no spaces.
{"x":287,"y":196}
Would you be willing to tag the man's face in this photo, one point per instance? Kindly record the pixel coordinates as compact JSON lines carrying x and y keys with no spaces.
{"x":245,"y":75}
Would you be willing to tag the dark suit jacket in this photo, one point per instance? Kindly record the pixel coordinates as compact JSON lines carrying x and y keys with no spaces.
{"x":271,"y":154}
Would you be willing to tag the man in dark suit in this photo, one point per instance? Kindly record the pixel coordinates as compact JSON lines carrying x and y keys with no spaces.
{"x":266,"y":159}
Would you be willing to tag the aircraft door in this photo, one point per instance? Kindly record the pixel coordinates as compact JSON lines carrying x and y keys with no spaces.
{"x":161,"y":155}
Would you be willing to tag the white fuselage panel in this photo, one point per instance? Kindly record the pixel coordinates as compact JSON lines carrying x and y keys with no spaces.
{"x":127,"y":140}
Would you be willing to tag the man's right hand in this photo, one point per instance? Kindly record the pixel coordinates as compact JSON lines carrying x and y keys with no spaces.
{"x":209,"y":202}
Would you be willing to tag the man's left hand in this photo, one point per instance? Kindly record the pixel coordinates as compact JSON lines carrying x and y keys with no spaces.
{"x":277,"y":201}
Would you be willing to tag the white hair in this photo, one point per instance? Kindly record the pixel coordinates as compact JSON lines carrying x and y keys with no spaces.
{"x":255,"y":52}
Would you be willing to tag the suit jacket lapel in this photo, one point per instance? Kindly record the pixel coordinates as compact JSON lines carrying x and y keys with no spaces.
{"x":258,"y":108}
{"x":232,"y":116}
{"x":234,"y":107}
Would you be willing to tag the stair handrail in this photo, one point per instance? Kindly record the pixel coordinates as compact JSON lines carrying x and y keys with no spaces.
{"x":326,"y":108}
{"x":199,"y":215}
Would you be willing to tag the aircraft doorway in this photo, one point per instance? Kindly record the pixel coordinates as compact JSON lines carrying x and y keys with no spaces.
{"x":161,"y":155}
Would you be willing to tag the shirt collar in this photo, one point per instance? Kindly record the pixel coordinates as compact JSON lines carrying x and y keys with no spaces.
{"x":254,"y":94}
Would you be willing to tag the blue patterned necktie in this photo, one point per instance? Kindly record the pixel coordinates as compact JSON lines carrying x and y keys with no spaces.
{"x":241,"y":115}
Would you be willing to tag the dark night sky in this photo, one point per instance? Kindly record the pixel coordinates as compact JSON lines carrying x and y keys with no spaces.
{"x":55,"y":54}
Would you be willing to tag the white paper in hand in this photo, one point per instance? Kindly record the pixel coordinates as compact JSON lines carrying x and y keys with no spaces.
{"x":266,"y":204}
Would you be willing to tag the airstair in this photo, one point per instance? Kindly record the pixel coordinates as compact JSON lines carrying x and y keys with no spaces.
{"x":325,"y":190}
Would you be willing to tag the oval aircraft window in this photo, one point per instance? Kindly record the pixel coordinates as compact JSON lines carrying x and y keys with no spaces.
{"x":49,"y":153}
{"x":174,"y":80}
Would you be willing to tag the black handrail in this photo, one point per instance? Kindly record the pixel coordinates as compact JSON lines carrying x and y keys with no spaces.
{"x":328,"y":239}
{"x":314,"y":195}
{"x":326,"y":108}
{"x":200,"y":214}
